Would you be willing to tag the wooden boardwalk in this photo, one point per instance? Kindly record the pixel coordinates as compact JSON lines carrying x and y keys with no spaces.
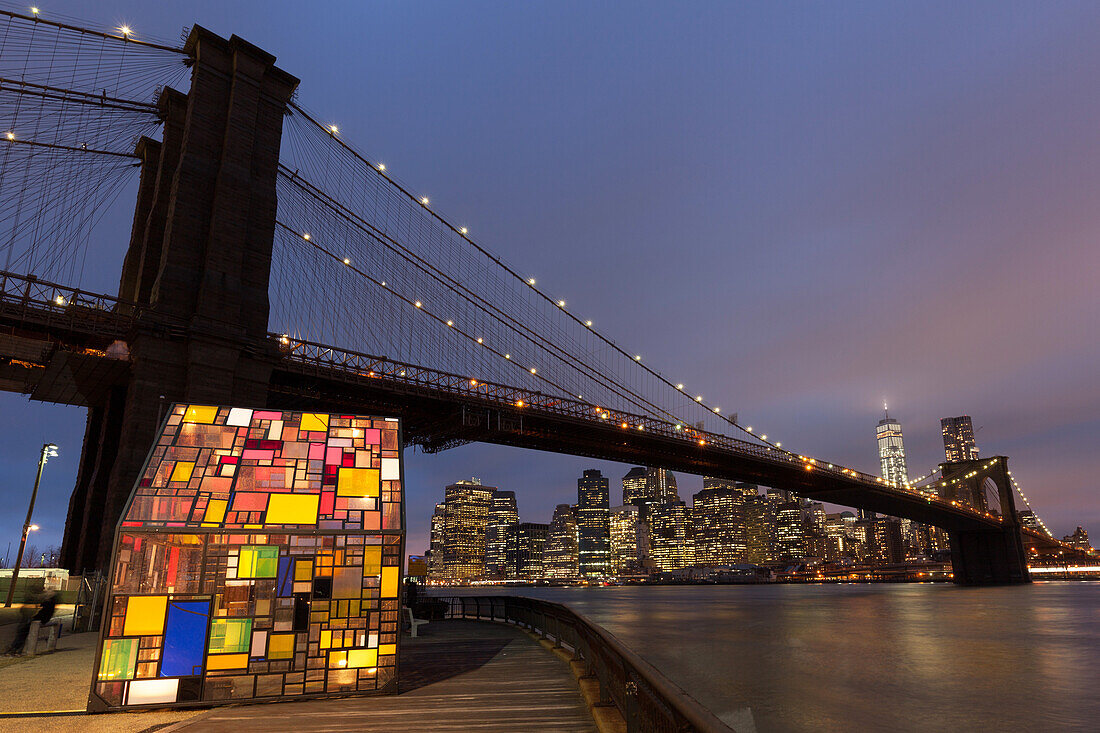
{"x":457,"y":676}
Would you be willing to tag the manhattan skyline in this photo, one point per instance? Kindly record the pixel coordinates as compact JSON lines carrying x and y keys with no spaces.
{"x":909,"y":221}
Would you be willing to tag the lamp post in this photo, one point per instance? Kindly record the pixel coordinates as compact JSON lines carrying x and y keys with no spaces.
{"x":49,"y":450}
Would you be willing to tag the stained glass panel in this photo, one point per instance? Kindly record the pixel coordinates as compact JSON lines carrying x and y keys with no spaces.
{"x":259,"y":556}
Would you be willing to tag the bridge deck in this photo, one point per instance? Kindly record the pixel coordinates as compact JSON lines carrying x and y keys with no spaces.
{"x":457,"y":676}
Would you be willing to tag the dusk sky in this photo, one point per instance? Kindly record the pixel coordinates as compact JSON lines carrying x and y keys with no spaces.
{"x":803,"y":208}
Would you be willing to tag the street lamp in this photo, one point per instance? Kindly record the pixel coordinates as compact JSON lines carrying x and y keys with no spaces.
{"x":49,"y":450}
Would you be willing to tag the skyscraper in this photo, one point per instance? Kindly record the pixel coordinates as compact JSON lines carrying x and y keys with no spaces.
{"x":760,"y":529}
{"x":502,"y":516}
{"x":790,"y":537}
{"x":559,"y":558}
{"x":649,"y":484}
{"x":661,"y":485}
{"x":891,"y":451}
{"x":593,"y":525}
{"x":466,"y":514}
{"x":672,"y":544}
{"x":435,"y":548}
{"x":958,"y":438}
{"x":885,"y":540}
{"x":719,"y":523}
{"x":624,"y":539}
{"x":634,"y":485}
{"x":526,"y":547}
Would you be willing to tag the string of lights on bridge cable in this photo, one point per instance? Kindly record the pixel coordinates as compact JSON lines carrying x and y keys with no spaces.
{"x":80,"y":26}
{"x":11,"y":138}
{"x":332,"y":132}
{"x":73,"y":103}
{"x":477,"y":301}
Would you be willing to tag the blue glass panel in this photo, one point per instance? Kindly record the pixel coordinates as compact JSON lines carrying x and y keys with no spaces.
{"x":185,"y":638}
{"x":286,"y":576}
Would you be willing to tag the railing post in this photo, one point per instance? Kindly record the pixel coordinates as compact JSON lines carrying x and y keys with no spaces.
{"x":630,"y":702}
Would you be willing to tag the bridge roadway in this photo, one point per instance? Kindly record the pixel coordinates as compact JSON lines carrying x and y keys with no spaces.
{"x":54,"y":341}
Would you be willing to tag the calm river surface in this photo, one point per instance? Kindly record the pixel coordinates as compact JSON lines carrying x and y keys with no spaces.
{"x":925,"y":657}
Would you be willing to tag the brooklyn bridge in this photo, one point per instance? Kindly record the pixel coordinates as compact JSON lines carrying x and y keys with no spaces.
{"x":272,"y":264}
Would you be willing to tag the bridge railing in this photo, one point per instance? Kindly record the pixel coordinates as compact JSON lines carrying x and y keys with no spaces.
{"x":359,"y":366}
{"x":27,"y":297}
{"x":55,"y":304}
{"x":646,"y":699}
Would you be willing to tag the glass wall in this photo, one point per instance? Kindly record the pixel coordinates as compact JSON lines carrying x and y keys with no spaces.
{"x":259,"y":556}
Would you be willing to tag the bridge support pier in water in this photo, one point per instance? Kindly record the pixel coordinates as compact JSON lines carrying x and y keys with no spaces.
{"x":985,"y":556}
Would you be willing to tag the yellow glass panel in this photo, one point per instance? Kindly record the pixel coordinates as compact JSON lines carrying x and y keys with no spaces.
{"x":303,"y":570}
{"x":389,"y":582}
{"x":357,"y":482}
{"x":326,"y":639}
{"x":200,"y":414}
{"x":227,"y":661}
{"x":386,"y":649}
{"x":362,"y":657}
{"x":372,"y":560}
{"x":145,"y":616}
{"x":337,"y":659}
{"x":314,"y":421}
{"x":215,"y":511}
{"x":293,"y":509}
{"x":182,"y":471}
{"x":281,"y":646}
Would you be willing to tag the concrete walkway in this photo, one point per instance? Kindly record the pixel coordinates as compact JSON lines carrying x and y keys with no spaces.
{"x":58,"y":684}
{"x":457,"y":676}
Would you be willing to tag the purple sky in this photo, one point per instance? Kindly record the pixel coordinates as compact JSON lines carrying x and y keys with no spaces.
{"x":804,"y":209}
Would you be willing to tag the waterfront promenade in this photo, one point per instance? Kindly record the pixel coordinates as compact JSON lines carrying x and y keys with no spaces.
{"x":458,"y":675}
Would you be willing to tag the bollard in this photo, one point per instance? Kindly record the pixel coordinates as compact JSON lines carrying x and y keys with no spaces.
{"x":31,"y":645}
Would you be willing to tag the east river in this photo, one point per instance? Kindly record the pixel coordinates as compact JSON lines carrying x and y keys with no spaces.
{"x":913,"y":657}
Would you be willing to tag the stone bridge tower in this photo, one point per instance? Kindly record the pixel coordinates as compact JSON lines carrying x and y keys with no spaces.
{"x":985,"y":556}
{"x":197,"y":266}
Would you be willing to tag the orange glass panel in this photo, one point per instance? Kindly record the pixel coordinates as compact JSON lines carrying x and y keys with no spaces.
{"x":145,"y":616}
{"x":314,"y":421}
{"x":389,"y":582}
{"x":227,"y":661}
{"x":200,"y":414}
